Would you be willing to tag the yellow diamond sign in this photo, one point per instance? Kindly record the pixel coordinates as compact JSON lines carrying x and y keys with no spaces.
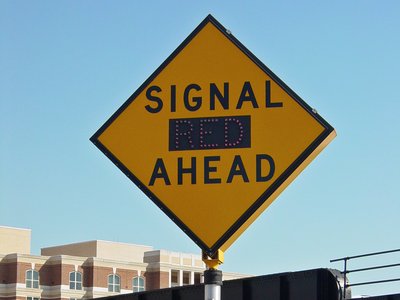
{"x":213,"y":136}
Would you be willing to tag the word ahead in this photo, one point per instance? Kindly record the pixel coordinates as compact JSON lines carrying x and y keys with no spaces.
{"x":264,"y":166}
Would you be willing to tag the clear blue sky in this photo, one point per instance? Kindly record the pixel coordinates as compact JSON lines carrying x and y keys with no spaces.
{"x":66,"y":66}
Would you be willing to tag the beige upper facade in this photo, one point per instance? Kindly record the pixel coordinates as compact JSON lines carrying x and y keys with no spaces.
{"x":15,"y":240}
{"x":100,"y":249}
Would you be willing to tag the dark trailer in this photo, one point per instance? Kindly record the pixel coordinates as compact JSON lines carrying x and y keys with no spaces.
{"x":319,"y":284}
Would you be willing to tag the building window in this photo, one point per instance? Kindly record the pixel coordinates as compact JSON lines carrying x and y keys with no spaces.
{"x":174,"y":278}
{"x":185,"y":278}
{"x":114,"y":283}
{"x":138,"y":284}
{"x":197,"y":278}
{"x":32,"y":279}
{"x":32,"y":298}
{"x":75,"y":281}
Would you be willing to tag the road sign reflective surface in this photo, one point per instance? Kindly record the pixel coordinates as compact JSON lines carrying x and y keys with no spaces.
{"x":213,"y":136}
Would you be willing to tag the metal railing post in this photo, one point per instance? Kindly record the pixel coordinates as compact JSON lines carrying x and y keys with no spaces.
{"x":345,"y":278}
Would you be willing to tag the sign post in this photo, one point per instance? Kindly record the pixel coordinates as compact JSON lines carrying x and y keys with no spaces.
{"x":212,"y":137}
{"x":213,"y":276}
{"x":212,"y":284}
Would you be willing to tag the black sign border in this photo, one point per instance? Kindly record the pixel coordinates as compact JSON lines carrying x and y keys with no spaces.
{"x":328,"y":129}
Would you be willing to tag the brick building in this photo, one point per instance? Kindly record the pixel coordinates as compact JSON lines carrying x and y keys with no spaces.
{"x":90,"y":269}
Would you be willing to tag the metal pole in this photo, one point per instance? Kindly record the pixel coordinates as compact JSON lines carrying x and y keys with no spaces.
{"x":345,"y":278}
{"x":212,"y":284}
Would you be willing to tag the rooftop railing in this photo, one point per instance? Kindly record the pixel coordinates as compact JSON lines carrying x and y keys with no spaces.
{"x":347,"y":271}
